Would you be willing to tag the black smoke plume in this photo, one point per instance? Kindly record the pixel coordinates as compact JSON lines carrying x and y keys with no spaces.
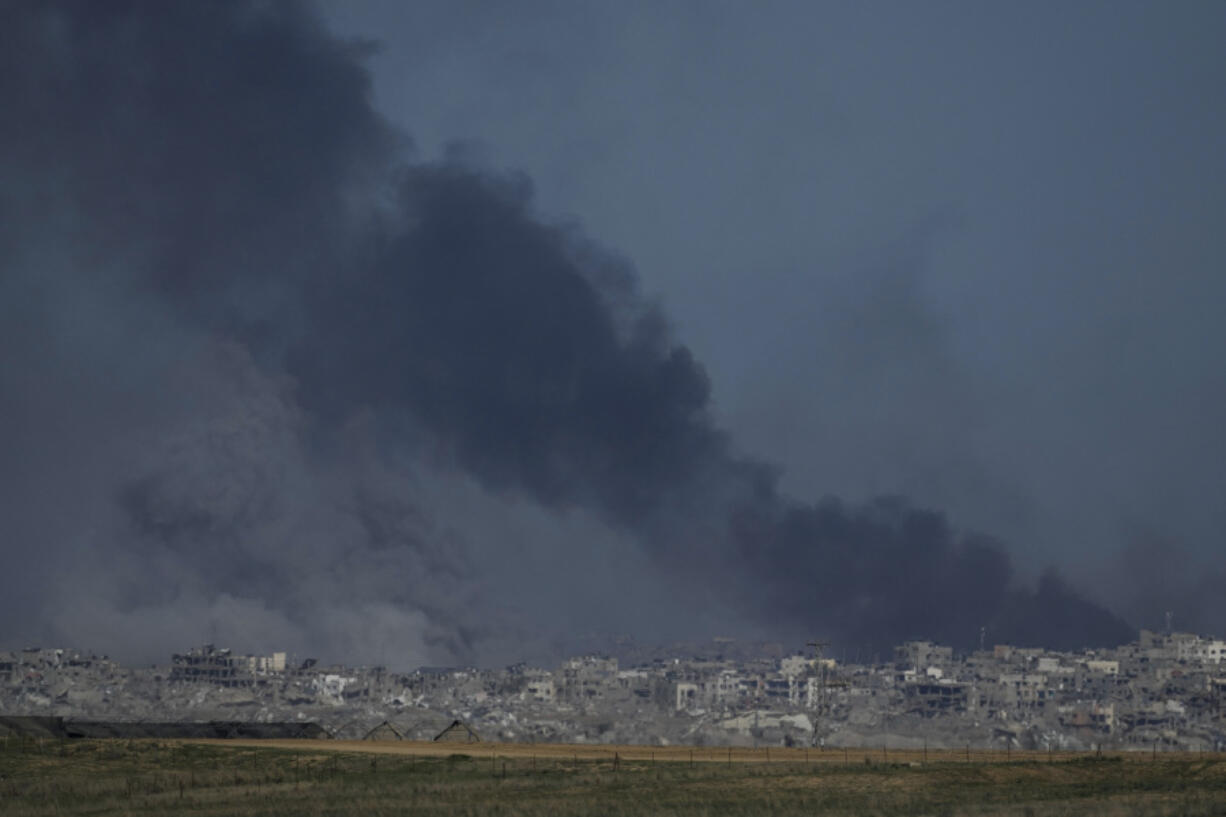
{"x":243,"y":325}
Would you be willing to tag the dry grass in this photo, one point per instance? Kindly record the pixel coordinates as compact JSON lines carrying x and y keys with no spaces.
{"x":335,"y":779}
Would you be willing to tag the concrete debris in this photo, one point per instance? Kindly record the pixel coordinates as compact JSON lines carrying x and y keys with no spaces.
{"x":1165,"y":690}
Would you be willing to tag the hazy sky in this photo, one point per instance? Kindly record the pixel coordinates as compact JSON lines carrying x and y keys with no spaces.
{"x":447,"y":332}
{"x":968,"y":252}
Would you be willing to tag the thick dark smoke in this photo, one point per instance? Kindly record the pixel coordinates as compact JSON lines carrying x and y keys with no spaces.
{"x":245,"y":332}
{"x":1155,"y":575}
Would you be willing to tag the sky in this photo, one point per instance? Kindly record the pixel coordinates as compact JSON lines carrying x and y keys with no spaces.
{"x":449,"y":332}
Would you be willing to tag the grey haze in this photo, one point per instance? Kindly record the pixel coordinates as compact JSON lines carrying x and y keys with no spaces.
{"x":275,"y":376}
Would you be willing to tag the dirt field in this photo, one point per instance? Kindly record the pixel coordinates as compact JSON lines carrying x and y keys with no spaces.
{"x":707,"y":754}
{"x":339,"y":779}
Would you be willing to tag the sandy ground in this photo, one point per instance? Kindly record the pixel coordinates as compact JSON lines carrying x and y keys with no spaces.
{"x":686,"y":754}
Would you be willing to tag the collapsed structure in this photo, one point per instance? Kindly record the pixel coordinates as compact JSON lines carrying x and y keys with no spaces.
{"x":1163,"y":690}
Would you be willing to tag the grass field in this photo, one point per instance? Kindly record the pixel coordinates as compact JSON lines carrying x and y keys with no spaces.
{"x":338,"y":779}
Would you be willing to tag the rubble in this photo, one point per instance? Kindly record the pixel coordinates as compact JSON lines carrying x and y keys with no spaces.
{"x":1163,"y":690}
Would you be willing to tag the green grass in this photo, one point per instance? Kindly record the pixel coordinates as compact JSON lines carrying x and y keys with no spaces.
{"x":160,"y":777}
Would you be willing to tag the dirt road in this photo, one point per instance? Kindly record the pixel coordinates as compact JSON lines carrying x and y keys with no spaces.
{"x":680,"y":754}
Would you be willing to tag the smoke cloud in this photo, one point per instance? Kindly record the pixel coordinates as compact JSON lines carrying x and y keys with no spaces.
{"x":254,"y":350}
